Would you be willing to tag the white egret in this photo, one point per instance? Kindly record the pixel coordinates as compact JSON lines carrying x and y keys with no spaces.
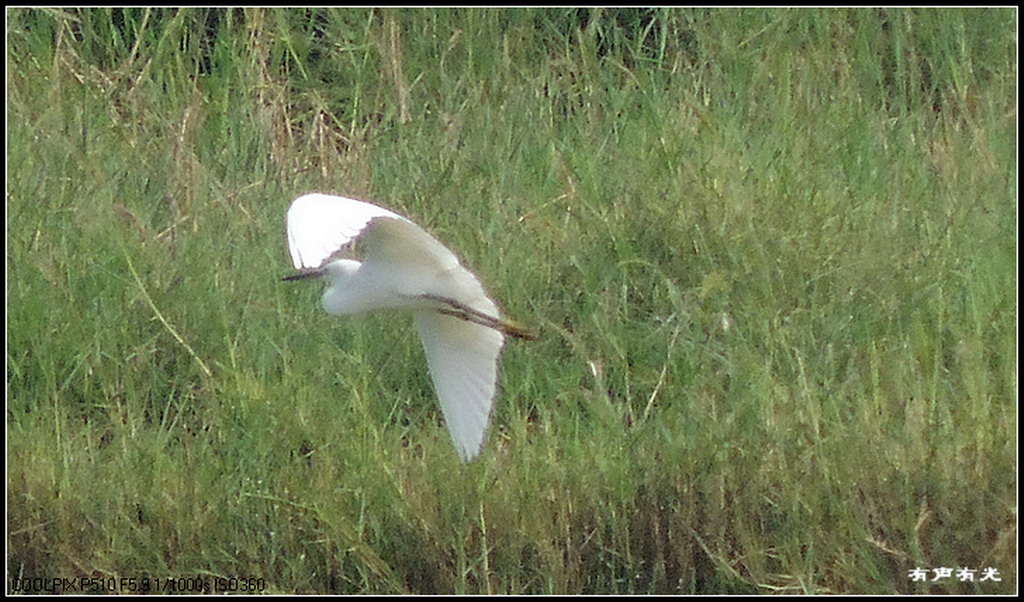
{"x":403,"y":267}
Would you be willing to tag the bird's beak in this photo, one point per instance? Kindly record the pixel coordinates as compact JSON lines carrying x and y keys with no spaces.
{"x":304,"y":274}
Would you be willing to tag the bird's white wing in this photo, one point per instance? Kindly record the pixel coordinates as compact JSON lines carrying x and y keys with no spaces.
{"x":419,"y":265}
{"x":462,"y":355}
{"x":463,"y":361}
{"x":321,"y":224}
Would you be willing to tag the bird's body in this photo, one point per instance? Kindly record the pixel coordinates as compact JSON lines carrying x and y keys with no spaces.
{"x":404,"y":267}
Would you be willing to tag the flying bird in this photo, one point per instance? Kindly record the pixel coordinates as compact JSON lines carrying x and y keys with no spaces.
{"x":404,"y":267}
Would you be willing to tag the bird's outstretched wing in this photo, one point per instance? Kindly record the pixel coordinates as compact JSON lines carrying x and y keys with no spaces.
{"x":463,"y":361}
{"x":462,"y":345}
{"x":420,"y":266}
{"x":320,"y":225}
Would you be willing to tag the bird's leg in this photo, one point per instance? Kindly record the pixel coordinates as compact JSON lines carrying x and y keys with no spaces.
{"x":464,"y":312}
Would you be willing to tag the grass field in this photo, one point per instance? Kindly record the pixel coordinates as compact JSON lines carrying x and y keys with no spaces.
{"x":771,"y":255}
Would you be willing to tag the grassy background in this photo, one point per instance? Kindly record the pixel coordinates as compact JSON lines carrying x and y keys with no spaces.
{"x":771,"y":254}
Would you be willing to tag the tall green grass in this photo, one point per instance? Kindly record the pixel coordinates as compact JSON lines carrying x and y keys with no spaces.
{"x":771,"y":253}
